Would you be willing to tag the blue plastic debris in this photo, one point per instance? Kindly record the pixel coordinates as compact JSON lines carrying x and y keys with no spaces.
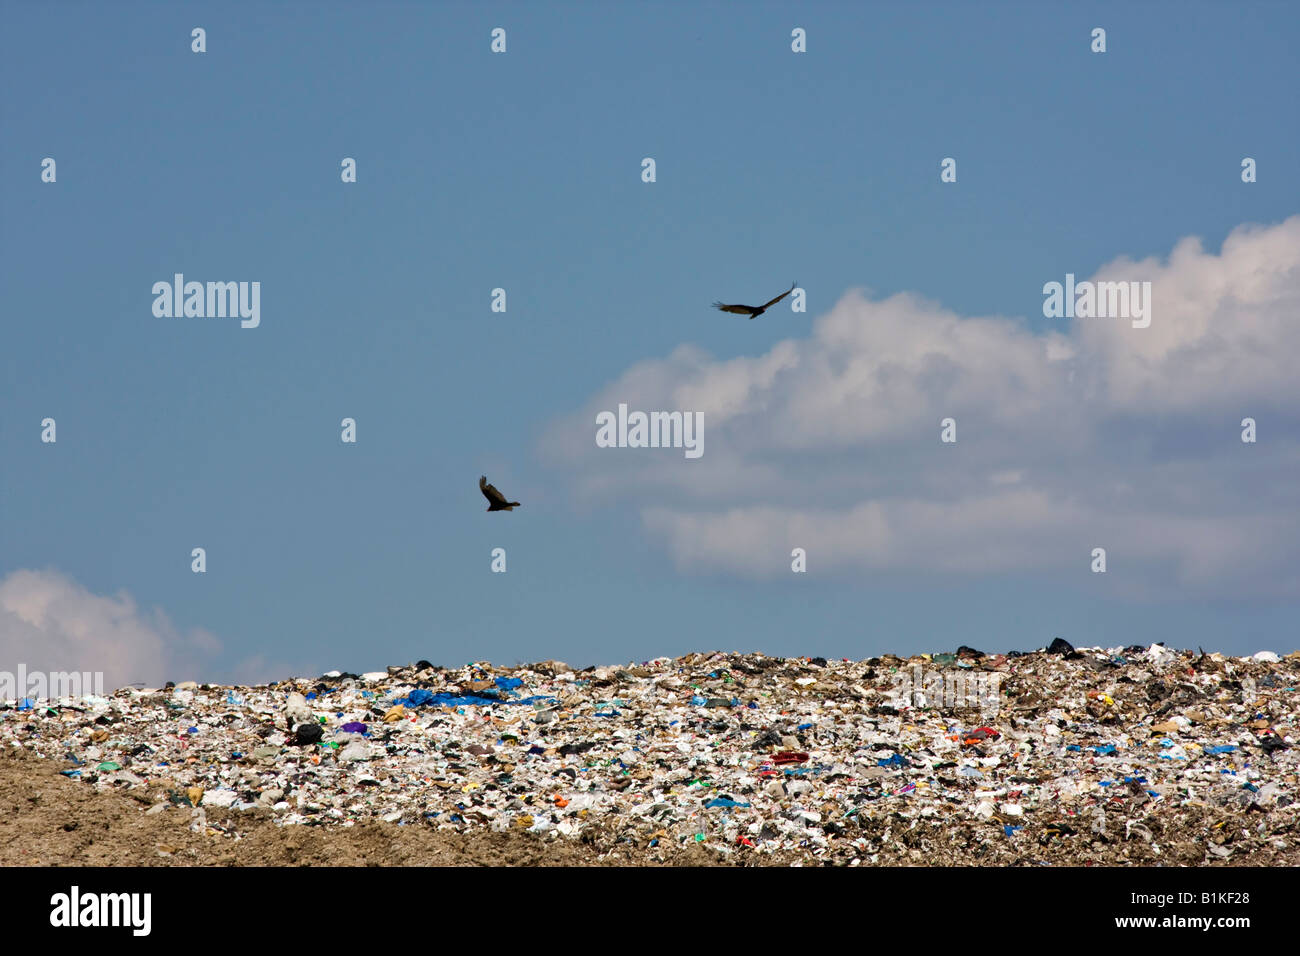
{"x":416,"y":698}
{"x":421,"y":697}
{"x":724,"y":802}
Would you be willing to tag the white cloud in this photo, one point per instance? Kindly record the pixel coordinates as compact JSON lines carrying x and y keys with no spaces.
{"x":49,"y":622}
{"x":1096,"y":434}
{"x":1224,"y":328}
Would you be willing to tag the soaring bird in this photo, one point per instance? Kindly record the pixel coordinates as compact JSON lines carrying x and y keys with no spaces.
{"x":752,"y":310}
{"x":496,"y":500}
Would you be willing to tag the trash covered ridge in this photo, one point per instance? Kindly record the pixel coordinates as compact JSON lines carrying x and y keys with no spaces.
{"x":1143,"y":755}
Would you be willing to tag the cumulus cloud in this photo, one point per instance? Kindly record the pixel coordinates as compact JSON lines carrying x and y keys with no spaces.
{"x":50,"y":623}
{"x":1091,"y":434}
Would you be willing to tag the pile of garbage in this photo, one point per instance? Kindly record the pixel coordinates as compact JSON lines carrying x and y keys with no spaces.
{"x":1163,"y":756}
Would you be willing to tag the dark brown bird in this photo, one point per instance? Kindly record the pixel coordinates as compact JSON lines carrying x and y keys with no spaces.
{"x":753,"y":310}
{"x":496,"y":500}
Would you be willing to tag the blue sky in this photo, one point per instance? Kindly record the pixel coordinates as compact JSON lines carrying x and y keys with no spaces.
{"x":522,"y":171}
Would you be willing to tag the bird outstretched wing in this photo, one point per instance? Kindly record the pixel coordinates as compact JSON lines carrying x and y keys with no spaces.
{"x":490,"y":492}
{"x":780,"y":297}
{"x":738,"y":309}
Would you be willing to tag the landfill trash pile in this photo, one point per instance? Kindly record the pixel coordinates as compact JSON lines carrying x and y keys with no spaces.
{"x":1140,"y":755}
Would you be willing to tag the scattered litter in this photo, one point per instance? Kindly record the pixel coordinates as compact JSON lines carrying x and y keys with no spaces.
{"x":823,"y":759}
